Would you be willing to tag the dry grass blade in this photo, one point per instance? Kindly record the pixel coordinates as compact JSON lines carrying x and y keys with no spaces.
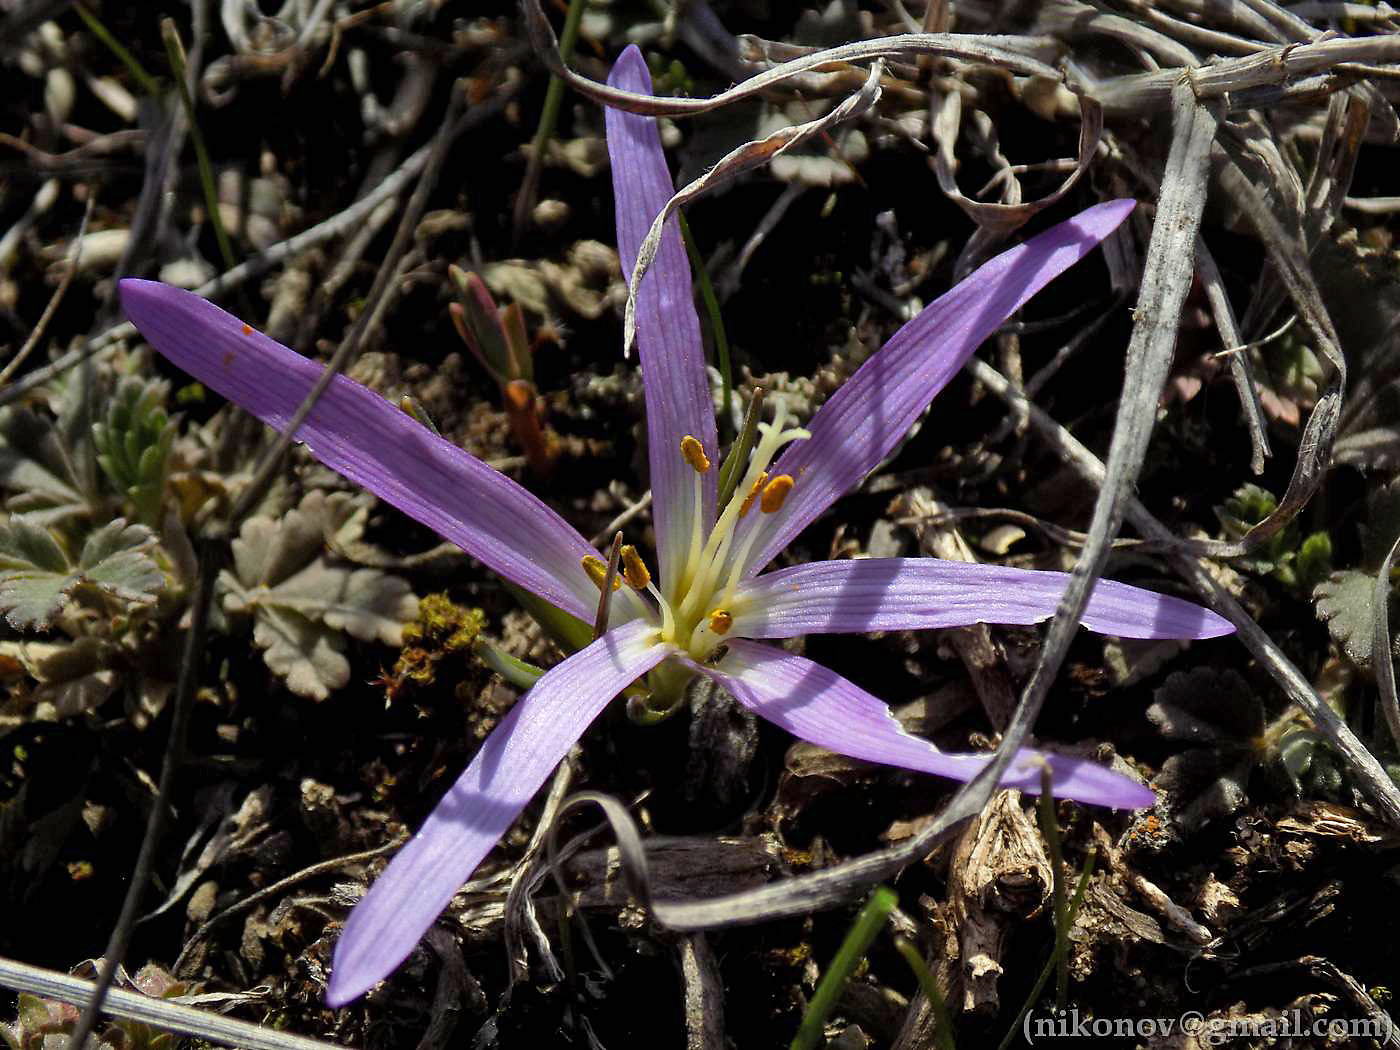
{"x":1373,"y":779}
{"x":1240,"y":369}
{"x":1167,"y":277}
{"x":730,"y":166}
{"x":704,"y":995}
{"x":1290,"y":261}
{"x":1278,"y":66}
{"x":986,"y":50}
{"x":997,"y":221}
{"x":159,"y":1013}
{"x":74,"y":259}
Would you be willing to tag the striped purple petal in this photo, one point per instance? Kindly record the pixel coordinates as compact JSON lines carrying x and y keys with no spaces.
{"x":668,"y":330}
{"x":482,"y":805}
{"x":874,"y":409}
{"x":892,"y":594}
{"x":821,"y":707}
{"x":357,"y":433}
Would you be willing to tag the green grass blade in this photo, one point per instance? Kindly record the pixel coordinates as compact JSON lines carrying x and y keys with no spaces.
{"x":864,"y":930}
{"x":1054,"y":960}
{"x":1050,"y":828}
{"x":175,"y":50}
{"x":942,"y":1019}
{"x":138,"y":72}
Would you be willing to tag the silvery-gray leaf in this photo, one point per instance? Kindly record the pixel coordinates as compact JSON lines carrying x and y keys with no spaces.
{"x":373,"y":605}
{"x":252,"y":549}
{"x":301,"y":652}
{"x":31,"y":600}
{"x":340,"y":515}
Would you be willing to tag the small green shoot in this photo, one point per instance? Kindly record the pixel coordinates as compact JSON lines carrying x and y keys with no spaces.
{"x":1054,"y":960}
{"x":1050,"y":828}
{"x":732,"y":469}
{"x":863,"y":932}
{"x":496,"y":337}
{"x":133,"y":442}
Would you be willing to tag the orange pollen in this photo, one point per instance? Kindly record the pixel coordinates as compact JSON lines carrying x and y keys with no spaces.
{"x":694,"y":454}
{"x":247,"y":329}
{"x":634,"y":569}
{"x":721,"y":621}
{"x":597,"y":570}
{"x":747,"y":505}
{"x":775,"y":492}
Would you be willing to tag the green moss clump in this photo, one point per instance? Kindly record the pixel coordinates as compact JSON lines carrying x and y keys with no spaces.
{"x":443,"y":629}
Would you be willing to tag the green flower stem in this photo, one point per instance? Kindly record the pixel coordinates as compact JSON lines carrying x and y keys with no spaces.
{"x":549,"y":115}
{"x":518,"y":673}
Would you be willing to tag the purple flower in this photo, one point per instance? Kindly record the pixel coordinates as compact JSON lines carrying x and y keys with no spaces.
{"x":709,"y":603}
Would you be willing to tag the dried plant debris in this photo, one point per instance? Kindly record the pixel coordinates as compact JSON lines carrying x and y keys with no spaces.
{"x":1262,"y":849}
{"x":1218,"y":715}
{"x":285,"y":576}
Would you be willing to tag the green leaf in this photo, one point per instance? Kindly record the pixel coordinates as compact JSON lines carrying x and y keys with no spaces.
{"x":114,"y":559}
{"x":133,"y":442}
{"x":26,"y":545}
{"x":1345,"y":602}
{"x":35,"y":465}
{"x":37,"y":578}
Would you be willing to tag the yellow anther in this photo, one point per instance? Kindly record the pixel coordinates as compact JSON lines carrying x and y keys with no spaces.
{"x":597,"y":570}
{"x":721,"y":621}
{"x":694,"y":454}
{"x":747,"y":505}
{"x":634,"y":569}
{"x":775,"y":492}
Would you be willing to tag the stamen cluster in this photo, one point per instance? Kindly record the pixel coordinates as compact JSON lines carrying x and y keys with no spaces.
{"x":699,"y":611}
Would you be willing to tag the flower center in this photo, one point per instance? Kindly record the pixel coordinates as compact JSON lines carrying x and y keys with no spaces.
{"x":700,"y":611}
